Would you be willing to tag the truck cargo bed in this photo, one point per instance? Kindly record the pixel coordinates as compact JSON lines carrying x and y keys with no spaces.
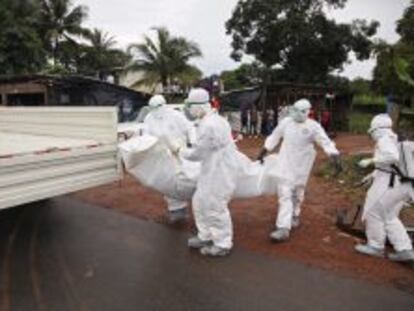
{"x":16,"y":144}
{"x":46,"y":152}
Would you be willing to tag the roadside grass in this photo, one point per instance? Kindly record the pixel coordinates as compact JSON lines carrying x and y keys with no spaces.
{"x":349,"y":180}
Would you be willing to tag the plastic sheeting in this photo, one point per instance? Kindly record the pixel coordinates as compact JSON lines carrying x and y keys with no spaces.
{"x":153,"y":165}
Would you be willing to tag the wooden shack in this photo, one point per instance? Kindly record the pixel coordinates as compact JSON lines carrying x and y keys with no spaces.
{"x":49,"y":90}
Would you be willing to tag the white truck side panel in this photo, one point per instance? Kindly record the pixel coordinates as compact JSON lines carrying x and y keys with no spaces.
{"x":97,"y":123}
{"x":32,"y":176}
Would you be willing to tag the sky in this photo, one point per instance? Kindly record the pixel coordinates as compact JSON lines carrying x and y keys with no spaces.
{"x":203,"y":21}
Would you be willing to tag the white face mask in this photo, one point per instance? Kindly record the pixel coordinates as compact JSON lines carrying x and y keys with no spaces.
{"x":190,"y":113}
{"x":195,"y":111}
{"x":154,"y":108}
{"x":300,"y":115}
{"x":378,"y":133}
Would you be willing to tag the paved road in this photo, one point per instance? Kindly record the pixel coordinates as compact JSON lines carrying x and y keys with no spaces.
{"x":65,"y":255}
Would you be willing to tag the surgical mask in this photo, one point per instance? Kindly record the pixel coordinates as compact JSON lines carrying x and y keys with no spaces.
{"x":154,"y":108}
{"x":195,"y":111}
{"x":299,"y":115}
{"x":190,"y":115}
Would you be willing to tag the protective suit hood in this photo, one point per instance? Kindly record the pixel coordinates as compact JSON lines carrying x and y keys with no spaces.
{"x":381,"y":125}
{"x":197,"y":104}
{"x":156,"y":101}
{"x":300,"y":110}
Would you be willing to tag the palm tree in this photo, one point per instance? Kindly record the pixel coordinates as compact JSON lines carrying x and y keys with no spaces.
{"x":165,"y":59}
{"x":60,"y":20}
{"x":101,"y":55}
{"x":100,"y":40}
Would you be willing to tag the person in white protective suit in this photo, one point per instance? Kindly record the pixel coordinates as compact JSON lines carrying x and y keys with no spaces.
{"x":173,"y":129}
{"x":220,"y":166}
{"x":386,"y":196}
{"x":295,"y":161}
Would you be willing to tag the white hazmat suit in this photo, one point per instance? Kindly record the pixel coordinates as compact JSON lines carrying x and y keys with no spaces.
{"x":174,"y":130}
{"x":221,"y":164}
{"x":295,"y":160}
{"x":386,"y":196}
{"x":218,"y":177}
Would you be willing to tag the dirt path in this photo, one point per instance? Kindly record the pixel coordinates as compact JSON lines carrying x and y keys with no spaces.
{"x":317,"y":242}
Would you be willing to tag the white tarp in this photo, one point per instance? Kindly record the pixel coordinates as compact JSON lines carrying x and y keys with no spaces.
{"x":152,"y":164}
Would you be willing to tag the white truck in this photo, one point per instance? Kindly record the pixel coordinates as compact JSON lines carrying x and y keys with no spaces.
{"x":51,"y":151}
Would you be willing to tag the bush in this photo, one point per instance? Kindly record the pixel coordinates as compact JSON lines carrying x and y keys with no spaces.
{"x":359,"y":122}
{"x":406,"y":126}
{"x":369,"y":103}
{"x":349,"y":178}
{"x":368,"y":100}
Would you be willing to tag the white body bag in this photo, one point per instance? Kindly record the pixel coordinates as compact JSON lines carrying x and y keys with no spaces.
{"x":154,"y":166}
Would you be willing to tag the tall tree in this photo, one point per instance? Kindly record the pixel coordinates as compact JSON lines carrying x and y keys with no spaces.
{"x":165,"y":59}
{"x":297,"y":37}
{"x":101,"y":57}
{"x":59,"y":21}
{"x":21,"y":47}
{"x":394,"y":71}
{"x":246,"y":75}
{"x":405,"y":26}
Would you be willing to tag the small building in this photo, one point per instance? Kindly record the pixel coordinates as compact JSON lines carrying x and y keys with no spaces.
{"x":50,"y":90}
{"x":323,"y":98}
{"x":278,"y":95}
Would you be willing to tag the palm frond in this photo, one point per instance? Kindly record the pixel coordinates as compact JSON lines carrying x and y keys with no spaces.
{"x":165,"y":57}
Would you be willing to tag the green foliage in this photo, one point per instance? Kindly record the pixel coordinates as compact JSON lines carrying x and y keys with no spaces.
{"x":402,"y":68}
{"x":359,"y":122}
{"x":405,"y":26}
{"x":369,"y":100}
{"x":21,"y":47}
{"x":32,"y":32}
{"x":297,"y":36}
{"x":165,"y":59}
{"x":394,"y":69}
{"x":244,"y":76}
{"x":100,"y":57}
{"x":360,"y":86}
{"x":189,"y":76}
{"x":59,"y":20}
{"x":394,"y":72}
{"x":349,"y":179}
{"x":55,"y":70}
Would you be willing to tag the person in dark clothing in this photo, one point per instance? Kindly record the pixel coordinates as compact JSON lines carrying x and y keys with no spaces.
{"x":253,"y":121}
{"x":244,"y":118}
{"x":264,"y":129}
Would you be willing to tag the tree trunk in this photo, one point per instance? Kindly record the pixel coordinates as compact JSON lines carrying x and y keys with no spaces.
{"x":55,"y":49}
{"x":265,"y":84}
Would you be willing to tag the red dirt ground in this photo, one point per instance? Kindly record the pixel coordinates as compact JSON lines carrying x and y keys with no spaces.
{"x":317,"y":242}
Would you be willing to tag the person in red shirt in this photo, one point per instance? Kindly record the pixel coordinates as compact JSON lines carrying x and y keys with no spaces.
{"x":326,"y":119}
{"x":215,"y":103}
{"x":312,"y":114}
